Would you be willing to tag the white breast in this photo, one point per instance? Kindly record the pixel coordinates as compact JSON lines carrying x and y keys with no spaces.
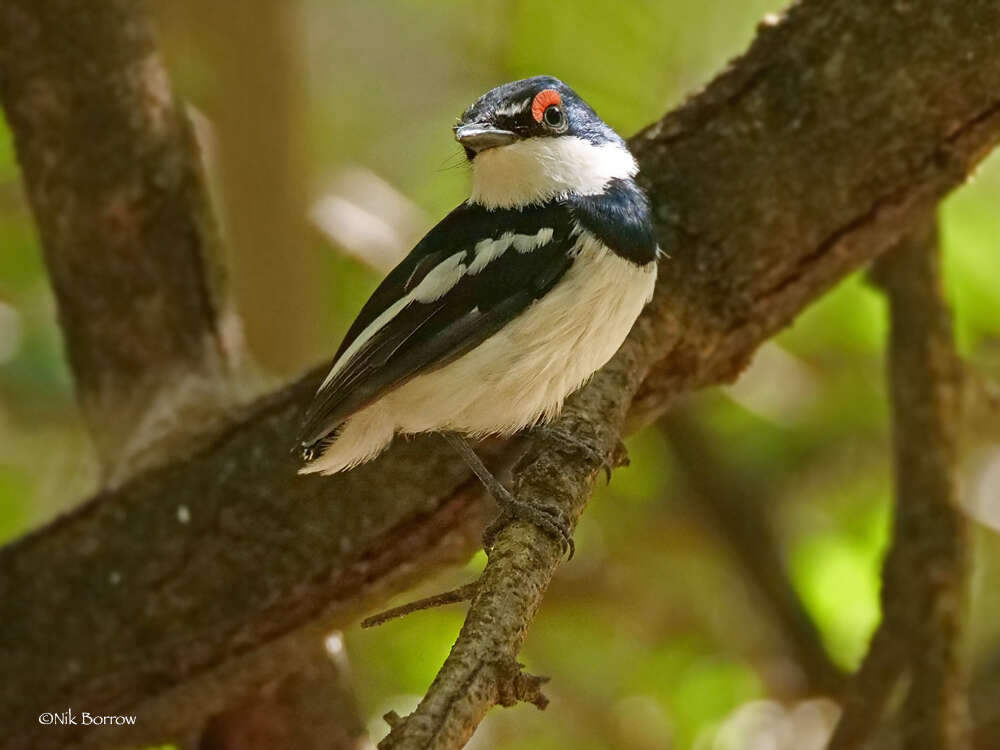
{"x":522,"y":374}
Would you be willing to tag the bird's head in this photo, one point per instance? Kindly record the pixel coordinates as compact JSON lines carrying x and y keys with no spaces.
{"x":534,"y":140}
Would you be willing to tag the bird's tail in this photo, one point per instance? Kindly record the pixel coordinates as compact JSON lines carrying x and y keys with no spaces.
{"x":358,"y":440}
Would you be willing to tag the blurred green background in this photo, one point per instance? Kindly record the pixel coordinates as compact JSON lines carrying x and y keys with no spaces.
{"x":326,"y":128}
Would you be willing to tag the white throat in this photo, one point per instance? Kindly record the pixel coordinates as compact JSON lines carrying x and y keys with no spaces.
{"x":536,"y":170}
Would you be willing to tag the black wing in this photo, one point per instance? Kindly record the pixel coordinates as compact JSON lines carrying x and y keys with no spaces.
{"x":425,"y":335}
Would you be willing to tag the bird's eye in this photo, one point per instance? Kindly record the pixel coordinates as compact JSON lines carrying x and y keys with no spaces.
{"x":554,"y":117}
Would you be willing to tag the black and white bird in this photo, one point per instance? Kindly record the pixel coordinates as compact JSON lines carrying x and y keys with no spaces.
{"x":511,"y":302}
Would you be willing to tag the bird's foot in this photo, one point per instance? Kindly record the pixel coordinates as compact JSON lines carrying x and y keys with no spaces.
{"x":619,"y":457}
{"x":553,"y":521}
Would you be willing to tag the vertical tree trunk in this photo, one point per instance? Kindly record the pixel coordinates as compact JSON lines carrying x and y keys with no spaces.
{"x":115,"y":182}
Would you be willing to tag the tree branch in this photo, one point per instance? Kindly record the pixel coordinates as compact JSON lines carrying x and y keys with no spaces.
{"x":919,"y":638}
{"x":925,"y":380}
{"x":803,"y":161}
{"x":114,"y":180}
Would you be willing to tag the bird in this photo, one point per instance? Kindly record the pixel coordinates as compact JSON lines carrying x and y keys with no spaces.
{"x":509,"y":304}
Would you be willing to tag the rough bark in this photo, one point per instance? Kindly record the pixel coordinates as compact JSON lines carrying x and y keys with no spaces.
{"x":804,"y":160}
{"x":114,"y":180}
{"x":917,"y":647}
{"x":161,"y":590}
{"x":817,"y":144}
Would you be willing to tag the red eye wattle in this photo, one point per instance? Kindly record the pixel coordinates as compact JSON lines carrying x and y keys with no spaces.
{"x":543,"y":100}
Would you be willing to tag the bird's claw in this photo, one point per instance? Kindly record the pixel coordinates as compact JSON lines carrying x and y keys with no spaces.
{"x":551,"y":520}
{"x":574,"y":442}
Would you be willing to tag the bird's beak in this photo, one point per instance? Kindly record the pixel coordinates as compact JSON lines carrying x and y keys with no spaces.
{"x":479,"y":137}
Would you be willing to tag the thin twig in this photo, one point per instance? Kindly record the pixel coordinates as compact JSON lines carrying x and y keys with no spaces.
{"x":461,"y":594}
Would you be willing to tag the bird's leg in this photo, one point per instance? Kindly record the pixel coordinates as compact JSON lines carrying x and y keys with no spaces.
{"x":549,"y":519}
{"x":575,"y":442}
{"x":500,"y":493}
